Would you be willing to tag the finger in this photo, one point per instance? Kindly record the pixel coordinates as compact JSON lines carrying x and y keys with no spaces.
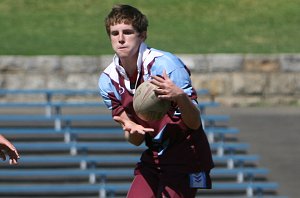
{"x":148,"y":130}
{"x":10,"y":147}
{"x":13,"y":161}
{"x":160,"y":91}
{"x":14,"y":154}
{"x":158,"y":79}
{"x":154,"y":80}
{"x":137,"y":131}
{"x":161,"y":96}
{"x":158,"y":84}
{"x":18,"y":155}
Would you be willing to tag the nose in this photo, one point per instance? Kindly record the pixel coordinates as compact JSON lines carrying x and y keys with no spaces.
{"x":121,"y":38}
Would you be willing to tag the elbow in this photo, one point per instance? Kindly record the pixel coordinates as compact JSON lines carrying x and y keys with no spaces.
{"x":197,"y":122}
{"x":193,"y":121}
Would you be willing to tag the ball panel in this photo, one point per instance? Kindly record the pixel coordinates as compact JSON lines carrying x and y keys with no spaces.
{"x":147,"y":105}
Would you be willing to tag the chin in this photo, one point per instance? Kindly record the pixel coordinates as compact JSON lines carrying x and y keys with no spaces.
{"x":122,"y":56}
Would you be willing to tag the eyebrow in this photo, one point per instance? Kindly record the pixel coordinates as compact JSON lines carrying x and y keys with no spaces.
{"x":126,"y":31}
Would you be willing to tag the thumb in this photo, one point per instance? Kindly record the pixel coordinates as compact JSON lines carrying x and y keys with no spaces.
{"x":119,"y":119}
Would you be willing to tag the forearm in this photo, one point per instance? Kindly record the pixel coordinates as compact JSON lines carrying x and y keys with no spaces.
{"x":189,"y":112}
{"x":135,"y":139}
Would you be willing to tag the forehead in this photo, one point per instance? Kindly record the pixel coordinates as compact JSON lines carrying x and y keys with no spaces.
{"x":121,"y":26}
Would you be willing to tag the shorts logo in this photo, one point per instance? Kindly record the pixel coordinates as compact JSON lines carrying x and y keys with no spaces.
{"x":198,"y":180}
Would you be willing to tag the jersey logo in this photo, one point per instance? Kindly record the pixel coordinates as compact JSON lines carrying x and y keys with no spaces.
{"x":121,"y":90}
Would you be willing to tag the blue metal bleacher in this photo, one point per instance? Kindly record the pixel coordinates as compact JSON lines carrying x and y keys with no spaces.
{"x":84,"y":154}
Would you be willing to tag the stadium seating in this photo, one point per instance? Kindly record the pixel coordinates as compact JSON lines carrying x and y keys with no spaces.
{"x":75,"y":149}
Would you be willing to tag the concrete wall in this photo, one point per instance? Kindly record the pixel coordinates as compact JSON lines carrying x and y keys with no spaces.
{"x":234,"y":79}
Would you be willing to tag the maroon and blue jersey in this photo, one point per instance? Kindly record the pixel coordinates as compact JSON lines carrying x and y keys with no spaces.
{"x":173,"y":144}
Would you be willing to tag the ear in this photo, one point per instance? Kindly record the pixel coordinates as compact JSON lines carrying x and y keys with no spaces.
{"x":143,"y":35}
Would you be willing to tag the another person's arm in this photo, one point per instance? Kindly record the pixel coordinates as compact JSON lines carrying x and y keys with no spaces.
{"x":6,"y":147}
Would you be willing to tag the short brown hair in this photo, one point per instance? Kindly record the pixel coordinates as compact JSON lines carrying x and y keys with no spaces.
{"x":126,"y":14}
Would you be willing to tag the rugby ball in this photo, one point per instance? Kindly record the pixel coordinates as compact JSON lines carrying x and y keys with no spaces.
{"x":147,"y":105}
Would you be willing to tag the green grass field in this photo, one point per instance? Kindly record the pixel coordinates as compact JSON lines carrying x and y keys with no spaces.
{"x":75,"y":27}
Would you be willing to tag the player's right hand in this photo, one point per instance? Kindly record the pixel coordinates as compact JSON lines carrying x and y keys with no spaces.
{"x":131,"y":126}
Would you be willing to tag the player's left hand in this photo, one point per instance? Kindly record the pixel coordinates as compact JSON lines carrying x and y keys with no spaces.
{"x":166,"y":89}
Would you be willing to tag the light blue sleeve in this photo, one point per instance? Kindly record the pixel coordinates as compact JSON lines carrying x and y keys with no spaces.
{"x":105,"y":88}
{"x":175,"y":69}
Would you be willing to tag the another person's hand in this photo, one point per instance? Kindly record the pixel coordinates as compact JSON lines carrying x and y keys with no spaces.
{"x":6,"y":147}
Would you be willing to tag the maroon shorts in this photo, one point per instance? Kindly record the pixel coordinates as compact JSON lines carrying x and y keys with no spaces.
{"x":151,"y":183}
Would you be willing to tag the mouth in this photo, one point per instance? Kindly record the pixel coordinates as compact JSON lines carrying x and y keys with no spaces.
{"x":121,"y":48}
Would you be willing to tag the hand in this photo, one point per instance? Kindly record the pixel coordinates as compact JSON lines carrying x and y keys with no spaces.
{"x":132,"y":127}
{"x":8,"y":148}
{"x":166,"y":88}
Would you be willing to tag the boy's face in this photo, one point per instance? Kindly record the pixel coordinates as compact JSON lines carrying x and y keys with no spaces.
{"x":125,"y":40}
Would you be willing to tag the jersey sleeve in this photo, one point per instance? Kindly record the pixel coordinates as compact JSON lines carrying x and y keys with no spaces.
{"x":110,"y":95}
{"x":177,"y":72}
{"x":182,"y":79}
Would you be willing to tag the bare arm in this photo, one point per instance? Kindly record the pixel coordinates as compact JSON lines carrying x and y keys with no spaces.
{"x":189,"y":112}
{"x":134,"y":133}
{"x":167,"y":90}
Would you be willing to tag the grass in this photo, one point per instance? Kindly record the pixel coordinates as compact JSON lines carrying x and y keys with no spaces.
{"x":75,"y":27}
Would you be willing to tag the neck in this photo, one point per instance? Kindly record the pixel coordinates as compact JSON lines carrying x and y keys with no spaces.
{"x":130,"y":65}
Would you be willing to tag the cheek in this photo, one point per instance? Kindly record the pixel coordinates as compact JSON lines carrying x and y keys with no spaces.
{"x":113,"y":42}
{"x":135,"y":41}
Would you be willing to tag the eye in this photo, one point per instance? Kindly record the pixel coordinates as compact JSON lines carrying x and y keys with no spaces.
{"x":114,"y":33}
{"x":128,"y":32}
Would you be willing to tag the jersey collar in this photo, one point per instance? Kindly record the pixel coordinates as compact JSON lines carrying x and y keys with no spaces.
{"x":121,"y":70}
